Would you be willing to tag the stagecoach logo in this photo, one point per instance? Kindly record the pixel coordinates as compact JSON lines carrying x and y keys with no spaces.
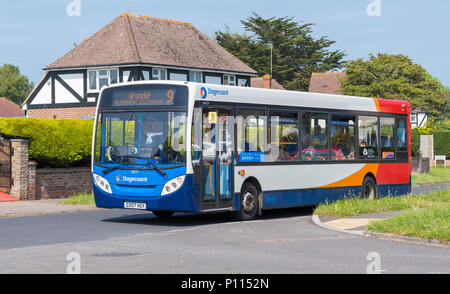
{"x":131,"y":179}
{"x":203,"y":93}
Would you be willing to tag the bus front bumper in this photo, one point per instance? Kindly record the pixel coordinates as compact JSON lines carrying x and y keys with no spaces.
{"x":185,"y":199}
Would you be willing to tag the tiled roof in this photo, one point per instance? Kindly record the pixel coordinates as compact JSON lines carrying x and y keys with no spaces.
{"x":135,"y":39}
{"x":10,"y":109}
{"x":327,"y":83}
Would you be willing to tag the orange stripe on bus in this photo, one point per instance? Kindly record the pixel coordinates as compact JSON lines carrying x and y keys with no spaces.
{"x":377,"y":104}
{"x":355,"y":179}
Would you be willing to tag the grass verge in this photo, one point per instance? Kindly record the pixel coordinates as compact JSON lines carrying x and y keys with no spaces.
{"x":431,"y":224}
{"x":79,"y":199}
{"x":435,"y":176}
{"x":425,"y":216}
{"x":356,"y":206}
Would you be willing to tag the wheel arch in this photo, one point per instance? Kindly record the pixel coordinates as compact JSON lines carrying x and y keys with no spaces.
{"x":371,"y":175}
{"x":252,"y":180}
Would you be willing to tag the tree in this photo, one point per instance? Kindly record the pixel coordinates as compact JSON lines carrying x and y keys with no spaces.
{"x":13,"y":85}
{"x":395,"y":77}
{"x":296,"y":53}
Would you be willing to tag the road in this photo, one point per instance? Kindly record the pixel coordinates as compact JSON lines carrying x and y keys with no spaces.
{"x":123,"y":241}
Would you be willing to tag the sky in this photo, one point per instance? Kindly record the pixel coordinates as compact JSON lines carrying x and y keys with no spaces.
{"x":34,"y":33}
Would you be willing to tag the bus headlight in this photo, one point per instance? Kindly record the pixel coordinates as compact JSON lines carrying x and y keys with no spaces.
{"x":102,"y":184}
{"x":173,"y":185}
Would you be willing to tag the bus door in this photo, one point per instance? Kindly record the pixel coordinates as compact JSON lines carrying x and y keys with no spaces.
{"x":217,"y":159}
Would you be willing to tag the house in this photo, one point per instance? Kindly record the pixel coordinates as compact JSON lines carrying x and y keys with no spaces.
{"x":418,"y":119}
{"x":10,"y":109}
{"x":131,"y":48}
{"x":329,"y":83}
{"x":265,"y":82}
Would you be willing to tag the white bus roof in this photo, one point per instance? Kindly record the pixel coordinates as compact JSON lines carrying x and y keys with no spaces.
{"x":259,"y":96}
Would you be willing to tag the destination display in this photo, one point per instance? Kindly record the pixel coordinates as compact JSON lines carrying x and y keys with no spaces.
{"x":144,"y":96}
{"x":161,"y":96}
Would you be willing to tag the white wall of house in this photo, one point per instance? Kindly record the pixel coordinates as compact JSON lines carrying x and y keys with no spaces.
{"x":45,"y":94}
{"x":418,"y":119}
{"x":75,"y":81}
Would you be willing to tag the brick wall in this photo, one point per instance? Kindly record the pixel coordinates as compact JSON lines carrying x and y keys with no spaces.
{"x":68,"y":113}
{"x":32,"y":183}
{"x":48,"y":183}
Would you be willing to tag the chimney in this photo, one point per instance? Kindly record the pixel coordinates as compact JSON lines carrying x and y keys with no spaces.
{"x":267,"y":81}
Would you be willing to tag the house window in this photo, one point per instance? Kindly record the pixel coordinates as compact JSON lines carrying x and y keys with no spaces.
{"x":229,"y":80}
{"x":210,"y":79}
{"x":242,"y":82}
{"x":159,"y":74}
{"x":178,"y":76}
{"x":93,"y":80}
{"x":113,"y":76}
{"x":102,"y":77}
{"x":195,"y":76}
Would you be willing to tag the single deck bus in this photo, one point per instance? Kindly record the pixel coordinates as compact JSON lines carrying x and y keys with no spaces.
{"x":169,"y":146}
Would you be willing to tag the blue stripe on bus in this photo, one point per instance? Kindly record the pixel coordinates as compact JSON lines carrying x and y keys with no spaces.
{"x":306,"y":197}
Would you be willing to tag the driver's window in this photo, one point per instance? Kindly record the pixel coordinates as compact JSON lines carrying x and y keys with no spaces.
{"x":120,"y":135}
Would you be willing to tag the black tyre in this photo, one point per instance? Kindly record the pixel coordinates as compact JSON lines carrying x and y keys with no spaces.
{"x":163,"y":214}
{"x":249,"y":203}
{"x":369,"y":188}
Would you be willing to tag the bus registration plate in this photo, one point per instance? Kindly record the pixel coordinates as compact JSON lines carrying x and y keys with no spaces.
{"x":135,"y":205}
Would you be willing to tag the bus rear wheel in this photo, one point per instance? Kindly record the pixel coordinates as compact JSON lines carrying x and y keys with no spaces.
{"x":249,"y":204}
{"x":369,"y":189}
{"x":163,"y":214}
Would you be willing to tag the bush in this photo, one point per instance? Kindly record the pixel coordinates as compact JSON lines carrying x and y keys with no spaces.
{"x":53,"y":142}
{"x":415,"y":142}
{"x":441,"y":143}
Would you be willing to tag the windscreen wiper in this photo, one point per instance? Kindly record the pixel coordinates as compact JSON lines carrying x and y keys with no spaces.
{"x":110,"y":169}
{"x":157,"y":168}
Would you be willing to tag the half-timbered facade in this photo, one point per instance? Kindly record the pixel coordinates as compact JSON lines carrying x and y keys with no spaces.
{"x":131,"y":48}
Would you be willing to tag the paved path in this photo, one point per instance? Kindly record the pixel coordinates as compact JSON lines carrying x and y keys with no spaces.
{"x":417,"y":189}
{"x":47,"y":206}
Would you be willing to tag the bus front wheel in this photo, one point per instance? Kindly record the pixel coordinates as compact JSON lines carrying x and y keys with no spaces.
{"x":249,"y":204}
{"x":163,"y":214}
{"x":369,"y":188}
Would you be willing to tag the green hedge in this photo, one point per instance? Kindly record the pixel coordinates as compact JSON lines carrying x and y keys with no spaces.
{"x":441,"y":142}
{"x":415,"y":142}
{"x":53,"y":142}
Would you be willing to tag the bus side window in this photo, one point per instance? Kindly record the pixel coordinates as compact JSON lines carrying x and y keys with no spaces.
{"x":251,"y":134}
{"x":368,"y":137}
{"x":343,"y":137}
{"x":387,"y":126}
{"x":314,"y":143}
{"x":283,"y":136}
